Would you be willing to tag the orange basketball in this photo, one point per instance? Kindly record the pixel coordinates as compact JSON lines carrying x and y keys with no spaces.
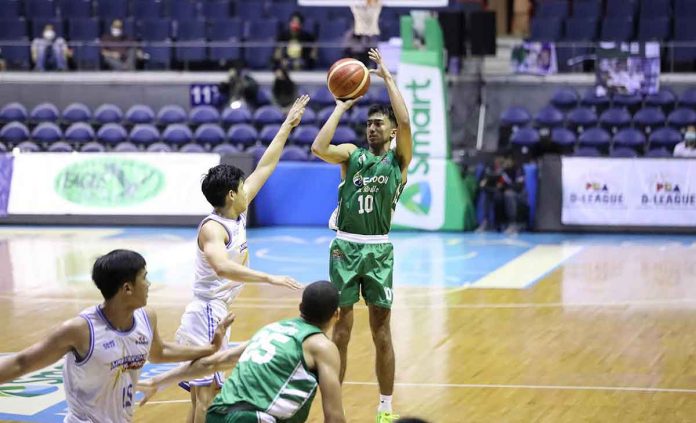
{"x":348,"y":79}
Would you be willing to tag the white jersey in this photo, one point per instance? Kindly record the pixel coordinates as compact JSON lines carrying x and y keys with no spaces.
{"x":207,"y":283}
{"x":100,"y":387}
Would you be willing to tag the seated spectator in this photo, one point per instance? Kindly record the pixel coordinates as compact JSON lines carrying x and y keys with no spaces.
{"x":296,"y":54}
{"x":240,"y":88}
{"x":687,"y":148}
{"x":49,"y":52}
{"x":503,"y":191}
{"x":365,"y":33}
{"x":117,"y":48}
{"x":284,"y":89}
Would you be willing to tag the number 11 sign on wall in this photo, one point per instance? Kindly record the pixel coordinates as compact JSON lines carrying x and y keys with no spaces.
{"x":204,"y":95}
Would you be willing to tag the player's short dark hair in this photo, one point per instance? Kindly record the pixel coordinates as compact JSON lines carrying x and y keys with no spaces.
{"x":384,"y":109}
{"x":319,"y":302}
{"x":112,"y":270}
{"x":220,"y":180}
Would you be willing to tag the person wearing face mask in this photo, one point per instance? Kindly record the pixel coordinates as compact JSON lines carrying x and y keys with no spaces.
{"x":117,"y":49}
{"x":294,"y":53}
{"x":49,"y":52}
{"x":687,"y":148}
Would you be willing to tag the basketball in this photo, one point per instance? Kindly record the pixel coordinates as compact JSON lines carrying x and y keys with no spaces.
{"x":348,"y":78}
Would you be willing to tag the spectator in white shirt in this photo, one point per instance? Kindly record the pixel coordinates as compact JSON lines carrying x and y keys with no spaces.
{"x":687,"y":148}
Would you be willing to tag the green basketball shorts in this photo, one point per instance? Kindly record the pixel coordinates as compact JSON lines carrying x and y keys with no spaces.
{"x":356,"y":267}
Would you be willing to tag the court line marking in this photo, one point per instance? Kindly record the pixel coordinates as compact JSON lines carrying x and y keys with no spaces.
{"x":643,"y":389}
{"x":678,"y":302}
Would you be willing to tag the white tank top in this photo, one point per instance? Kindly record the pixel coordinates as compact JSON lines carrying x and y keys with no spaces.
{"x":207,"y":282}
{"x":100,"y":387}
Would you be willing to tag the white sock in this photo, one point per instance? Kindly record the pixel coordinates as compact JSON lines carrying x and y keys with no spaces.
{"x":385,"y":403}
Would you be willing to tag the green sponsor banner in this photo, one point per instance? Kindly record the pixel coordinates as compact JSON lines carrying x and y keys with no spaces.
{"x":109,"y":182}
{"x":434,"y":198}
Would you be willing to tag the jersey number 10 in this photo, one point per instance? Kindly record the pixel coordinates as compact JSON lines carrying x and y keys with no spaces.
{"x":366,"y":203}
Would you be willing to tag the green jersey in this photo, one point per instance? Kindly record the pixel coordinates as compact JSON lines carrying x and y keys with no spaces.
{"x":368,"y":195}
{"x":272,"y":374}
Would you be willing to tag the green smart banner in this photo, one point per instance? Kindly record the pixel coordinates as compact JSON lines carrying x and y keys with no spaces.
{"x":434,"y":198}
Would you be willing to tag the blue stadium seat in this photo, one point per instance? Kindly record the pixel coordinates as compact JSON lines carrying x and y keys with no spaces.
{"x":112,"y":9}
{"x":525,"y":137}
{"x":685,"y":8}
{"x":552,"y":9}
{"x":359,"y":115}
{"x":192,"y":148}
{"x":45,"y":112}
{"x":144,"y":134}
{"x":586,"y":152}
{"x":159,"y":147}
{"x":681,"y":118}
{"x":147,"y":9}
{"x":623,"y":152}
{"x":108,"y":113}
{"x":304,"y":135}
{"x":630,"y":138}
{"x":250,"y":9}
{"x":209,"y":134}
{"x":545,"y":29}
{"x":323,"y":97}
{"x":28,"y":147}
{"x":260,"y":30}
{"x":664,"y":138}
{"x":233,"y":116}
{"x":83,"y":29}
{"x":267,"y":115}
{"x":203,"y":114}
{"x":616,"y":29}
{"x":14,"y":133}
{"x":684,"y":31}
{"x":565,"y":99}
{"x":587,"y":9}
{"x":11,"y":31}
{"x":549,"y":117}
{"x":658,"y":153}
{"x":156,"y":31}
{"x":177,"y":134}
{"x":140,"y":113}
{"x":216,"y":9}
{"x":334,"y":32}
{"x":225,"y":30}
{"x":267,"y":133}
{"x":92,"y":147}
{"x":242,"y":133}
{"x":564,"y":138}
{"x":11,"y":9}
{"x":515,"y":116}
{"x":13,"y":112}
{"x":256,"y":151}
{"x":631,"y":102}
{"x":654,"y":29}
{"x":79,"y":133}
{"x":664,"y":99}
{"x":183,"y":9}
{"x":598,"y":103}
{"x":264,"y":97}
{"x":596,"y":138}
{"x":223,"y":149}
{"x":46,"y":132}
{"x":40,"y":8}
{"x":309,"y":117}
{"x":112,"y":134}
{"x":295,"y":154}
{"x":171,"y":113}
{"x":615,"y":119}
{"x":60,"y":147}
{"x":126,"y":147}
{"x":649,"y":118}
{"x":656,"y":8}
{"x":75,"y":9}
{"x":688,"y":98}
{"x":581,"y":118}
{"x":191,"y":31}
{"x":344,"y":135}
{"x":621,"y":8}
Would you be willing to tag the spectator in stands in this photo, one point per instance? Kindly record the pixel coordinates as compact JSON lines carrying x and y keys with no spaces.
{"x":687,"y":148}
{"x":365,"y":33}
{"x":284,"y":88}
{"x":240,"y":88}
{"x":504,"y":194}
{"x":116,"y":51}
{"x":295,"y":53}
{"x":49,"y":52}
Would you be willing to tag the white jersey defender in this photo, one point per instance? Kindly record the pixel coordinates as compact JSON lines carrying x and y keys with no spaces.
{"x":100,"y":386}
{"x":210,"y":304}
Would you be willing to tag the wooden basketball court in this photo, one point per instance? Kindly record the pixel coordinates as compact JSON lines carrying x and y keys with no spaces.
{"x":544,"y":328}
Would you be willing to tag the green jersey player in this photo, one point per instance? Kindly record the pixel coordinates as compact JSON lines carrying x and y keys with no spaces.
{"x":361,"y":256}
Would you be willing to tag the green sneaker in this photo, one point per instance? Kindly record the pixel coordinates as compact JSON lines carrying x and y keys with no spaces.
{"x":386,"y":417}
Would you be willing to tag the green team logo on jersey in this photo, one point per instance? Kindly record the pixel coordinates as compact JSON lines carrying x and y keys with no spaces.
{"x":109,"y":182}
{"x":417,"y":198}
